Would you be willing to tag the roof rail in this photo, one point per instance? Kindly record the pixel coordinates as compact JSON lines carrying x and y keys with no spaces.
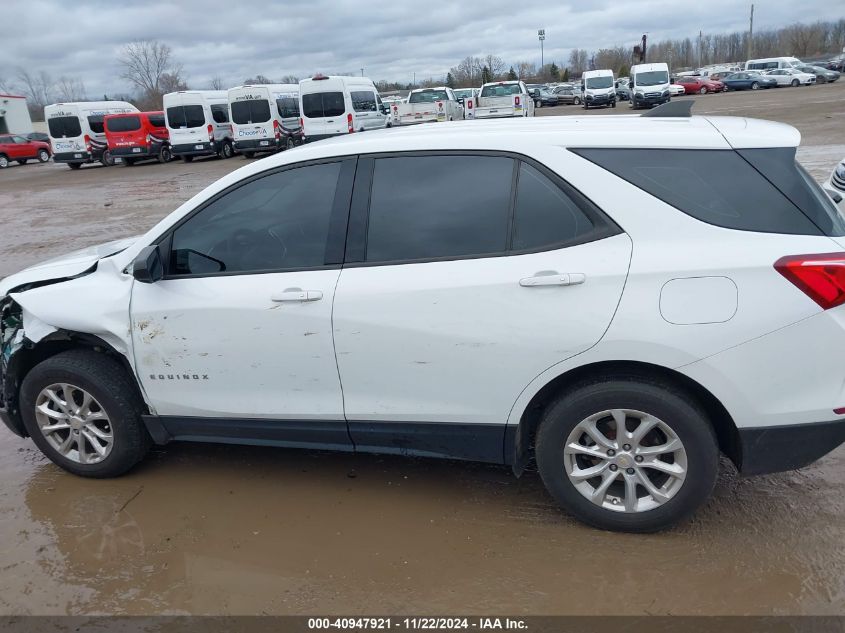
{"x":672,"y":109}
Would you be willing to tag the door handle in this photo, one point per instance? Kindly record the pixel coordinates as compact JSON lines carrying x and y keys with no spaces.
{"x":553,"y":279}
{"x":296,"y":295}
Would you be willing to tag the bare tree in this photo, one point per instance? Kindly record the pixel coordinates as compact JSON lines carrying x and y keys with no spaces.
{"x":6,"y":86}
{"x":216,"y":83}
{"x":526,"y":70}
{"x":39,"y":90}
{"x":495,"y":64}
{"x":147,"y":64}
{"x":290,"y":79}
{"x":578,"y":61}
{"x":258,"y":79}
{"x":172,"y":82}
{"x":71,"y":89}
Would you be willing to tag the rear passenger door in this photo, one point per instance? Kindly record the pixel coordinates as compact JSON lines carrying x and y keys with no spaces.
{"x":466,"y":276}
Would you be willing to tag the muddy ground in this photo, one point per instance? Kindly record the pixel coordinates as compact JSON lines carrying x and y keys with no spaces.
{"x":245,"y":530}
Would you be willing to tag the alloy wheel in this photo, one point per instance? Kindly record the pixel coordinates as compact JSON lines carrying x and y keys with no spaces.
{"x":74,"y":423}
{"x":625,"y":460}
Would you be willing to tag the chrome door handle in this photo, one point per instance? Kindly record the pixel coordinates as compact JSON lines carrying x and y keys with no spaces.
{"x":296,"y":295}
{"x":554,"y":279}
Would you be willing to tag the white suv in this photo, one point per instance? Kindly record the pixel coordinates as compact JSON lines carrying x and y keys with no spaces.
{"x":572,"y":292}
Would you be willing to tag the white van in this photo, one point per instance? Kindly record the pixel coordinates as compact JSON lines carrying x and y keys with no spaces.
{"x":265,"y":117}
{"x":598,"y":89}
{"x":336,"y":105}
{"x":771,"y":63}
{"x":76,"y":130}
{"x":198,"y":123}
{"x":649,"y":85}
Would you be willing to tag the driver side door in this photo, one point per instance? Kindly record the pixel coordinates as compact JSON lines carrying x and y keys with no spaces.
{"x":239,"y":328}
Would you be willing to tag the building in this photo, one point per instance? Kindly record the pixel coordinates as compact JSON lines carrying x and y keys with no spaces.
{"x":14,"y":115}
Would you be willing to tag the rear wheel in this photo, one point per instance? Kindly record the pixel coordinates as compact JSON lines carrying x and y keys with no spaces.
{"x":74,"y":165}
{"x":164,"y":155}
{"x":82,"y":410}
{"x":627,"y":454}
{"x":106,"y":159}
{"x":227,"y":151}
{"x":538,"y":104}
{"x":290,"y":143}
{"x":612,"y":104}
{"x":43,"y":155}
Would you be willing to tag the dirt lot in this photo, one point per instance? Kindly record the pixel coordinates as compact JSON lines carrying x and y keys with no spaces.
{"x":236,"y":530}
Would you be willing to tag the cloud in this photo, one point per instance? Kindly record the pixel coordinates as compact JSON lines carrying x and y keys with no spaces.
{"x":389,"y":40}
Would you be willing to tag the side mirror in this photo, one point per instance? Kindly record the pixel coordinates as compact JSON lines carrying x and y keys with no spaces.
{"x":148,"y":267}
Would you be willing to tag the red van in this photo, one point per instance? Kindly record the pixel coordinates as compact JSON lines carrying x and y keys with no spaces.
{"x":137,"y":136}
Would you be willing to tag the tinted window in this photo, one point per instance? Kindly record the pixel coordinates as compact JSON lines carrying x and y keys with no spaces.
{"x":438,"y":206}
{"x":124,"y":124}
{"x":220,"y":113}
{"x":157,"y":120}
{"x":64,"y":126}
{"x":277,"y":222}
{"x":501,"y":90}
{"x":716,"y":186}
{"x":428,"y":96}
{"x":252,"y":111}
{"x":5,"y":139}
{"x":288,"y":107}
{"x":96,"y":124}
{"x":186,"y":116}
{"x":323,"y":104}
{"x":363,"y":101}
{"x":544,"y":215}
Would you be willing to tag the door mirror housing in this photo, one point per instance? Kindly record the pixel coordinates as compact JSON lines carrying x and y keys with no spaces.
{"x":148,"y":266}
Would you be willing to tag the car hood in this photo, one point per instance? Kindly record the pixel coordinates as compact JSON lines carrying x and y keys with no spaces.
{"x":70,"y":265}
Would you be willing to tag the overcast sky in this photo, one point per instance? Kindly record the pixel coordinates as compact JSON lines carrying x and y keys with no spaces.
{"x":390,"y":39}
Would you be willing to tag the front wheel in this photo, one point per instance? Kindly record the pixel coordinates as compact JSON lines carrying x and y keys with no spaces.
{"x":84,"y":413}
{"x":612,"y":104}
{"x":795,"y":83}
{"x":627,"y":454}
{"x":703,"y":90}
{"x":577,"y":101}
{"x":755,"y":85}
{"x":43,"y":156}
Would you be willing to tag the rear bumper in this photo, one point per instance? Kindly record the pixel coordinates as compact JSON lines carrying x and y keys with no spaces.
{"x":258,"y":145}
{"x":319,"y":137}
{"x":774,"y":449}
{"x":129,"y":152}
{"x":206,"y":148}
{"x":73,"y":157}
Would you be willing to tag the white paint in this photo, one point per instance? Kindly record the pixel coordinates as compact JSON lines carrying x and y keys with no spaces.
{"x":698,"y":300}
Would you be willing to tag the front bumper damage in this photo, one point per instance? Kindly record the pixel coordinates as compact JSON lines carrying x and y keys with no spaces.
{"x":12,"y":340}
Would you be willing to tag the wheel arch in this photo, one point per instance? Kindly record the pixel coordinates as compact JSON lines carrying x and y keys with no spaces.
{"x":519,"y":448}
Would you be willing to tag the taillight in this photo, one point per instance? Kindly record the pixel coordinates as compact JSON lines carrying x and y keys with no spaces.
{"x":210,"y":132}
{"x":87,"y":143}
{"x":820,"y":276}
{"x":276,"y":130}
{"x":349,"y":123}
{"x":148,"y":139}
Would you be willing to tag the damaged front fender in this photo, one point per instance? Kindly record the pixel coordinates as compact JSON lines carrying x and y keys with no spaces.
{"x":12,"y":339}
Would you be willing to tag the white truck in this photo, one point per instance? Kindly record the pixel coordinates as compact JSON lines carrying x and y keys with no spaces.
{"x":428,"y":105}
{"x":597,"y":88}
{"x":501,"y":99}
{"x":76,"y":130}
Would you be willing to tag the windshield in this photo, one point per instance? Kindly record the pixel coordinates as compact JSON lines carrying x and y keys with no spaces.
{"x":250,"y":111}
{"x":501,"y":90}
{"x":600,"y":82}
{"x":428,"y":96}
{"x":652,"y":78}
{"x":64,"y":126}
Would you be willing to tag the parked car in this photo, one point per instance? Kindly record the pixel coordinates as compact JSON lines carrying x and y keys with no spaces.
{"x":544,"y":97}
{"x":823,"y":75}
{"x":137,"y":136}
{"x":749,"y":81}
{"x":41,"y":137}
{"x":700,"y":85}
{"x":598,"y":88}
{"x":14,"y":147}
{"x":792,"y":77}
{"x":677,"y":89}
{"x":837,"y":63}
{"x":835,"y":185}
{"x":568,"y":95}
{"x":634,"y":355}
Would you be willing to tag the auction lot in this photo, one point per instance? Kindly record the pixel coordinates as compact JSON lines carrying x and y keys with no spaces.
{"x":218,"y":529}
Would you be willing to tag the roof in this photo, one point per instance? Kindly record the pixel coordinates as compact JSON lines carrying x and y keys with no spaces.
{"x":11,"y":97}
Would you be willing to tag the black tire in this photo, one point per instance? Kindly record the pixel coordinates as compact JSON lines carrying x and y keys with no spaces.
{"x":612,"y":104}
{"x":43,"y":156}
{"x":106,"y":159}
{"x":682,"y":413}
{"x":538,"y":104}
{"x":248,"y":155}
{"x":227,"y":151}
{"x":164,"y":155}
{"x":795,"y":83}
{"x":74,"y":165}
{"x":128,"y":162}
{"x":23,"y":161}
{"x":187,"y":159}
{"x":576,"y":101}
{"x":107,"y":381}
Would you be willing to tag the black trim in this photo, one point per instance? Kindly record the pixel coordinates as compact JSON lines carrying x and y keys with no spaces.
{"x":209,"y":148}
{"x":771,"y":449}
{"x":312,"y":138}
{"x":473,"y":442}
{"x":603,"y":225}
{"x":70,"y":157}
{"x":126,"y":152}
{"x":490,"y":443}
{"x":322,"y":434}
{"x":254,"y":145}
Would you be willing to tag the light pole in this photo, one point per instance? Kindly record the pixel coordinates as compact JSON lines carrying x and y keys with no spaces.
{"x":541,"y":35}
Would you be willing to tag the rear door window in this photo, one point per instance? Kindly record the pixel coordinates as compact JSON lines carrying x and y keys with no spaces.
{"x":124,"y":124}
{"x":251,"y":111}
{"x":64,"y":126}
{"x":96,"y":124}
{"x":156,"y":120}
{"x":364,"y":101}
{"x":718,"y":187}
{"x":288,"y":107}
{"x":319,"y":105}
{"x":185,"y":116}
{"x":220,"y":113}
